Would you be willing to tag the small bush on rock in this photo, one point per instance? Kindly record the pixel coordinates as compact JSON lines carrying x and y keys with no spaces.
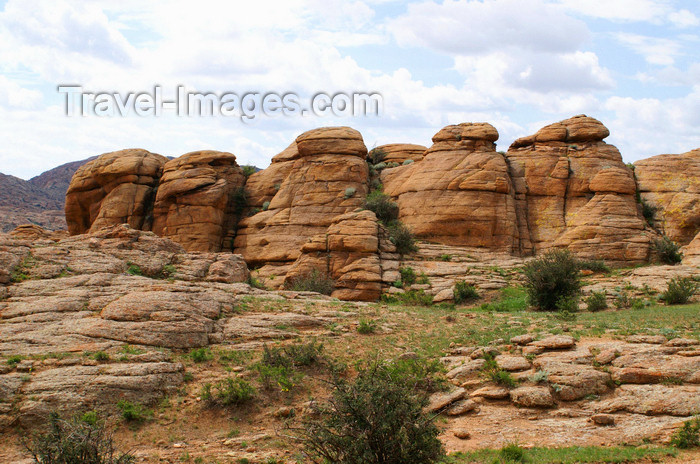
{"x":77,"y":441}
{"x":594,"y":266}
{"x":464,"y":292}
{"x":382,"y":206}
{"x":402,"y":238}
{"x":228,"y":392}
{"x":597,"y":301}
{"x":668,"y":251}
{"x":552,"y":278}
{"x":376,"y":419}
{"x":134,"y":412}
{"x":408,"y":275}
{"x":688,"y":436}
{"x":680,"y":290}
{"x":314,"y":281}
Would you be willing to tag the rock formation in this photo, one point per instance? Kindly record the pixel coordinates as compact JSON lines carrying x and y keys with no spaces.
{"x":355,"y":253}
{"x":115,"y":188}
{"x":400,"y":152}
{"x":460,"y":193}
{"x":671,"y":184}
{"x":691,"y":253}
{"x":323,"y":177}
{"x":199,"y":200}
{"x":574,"y":191}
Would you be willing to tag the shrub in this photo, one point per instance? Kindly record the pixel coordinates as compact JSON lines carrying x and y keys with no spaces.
{"x":539,"y":377}
{"x":511,"y":454}
{"x":408,"y":275}
{"x":680,"y":290}
{"x":407,"y":162}
{"x":76,"y":441}
{"x":168,"y":271}
{"x":688,"y":436}
{"x":648,"y":211}
{"x":409,"y":298}
{"x":594,"y":266}
{"x":377,"y":418}
{"x":134,"y":269}
{"x":13,"y":360}
{"x":350,"y":192}
{"x":134,"y":412}
{"x":314,"y":281}
{"x":496,"y":374}
{"x":597,"y":301}
{"x":255,"y":282}
{"x":402,"y":238}
{"x":298,"y":354}
{"x":248,"y":170}
{"x":668,"y":251}
{"x":464,"y":292}
{"x":445,"y":257}
{"x":567,"y":304}
{"x":100,"y":356}
{"x":265,"y":206}
{"x":283,"y":377}
{"x":200,"y":355}
{"x":240,"y":200}
{"x":551,"y":278}
{"x":377,"y":155}
{"x":367,"y":326}
{"x":234,"y":391}
{"x":381,"y":205}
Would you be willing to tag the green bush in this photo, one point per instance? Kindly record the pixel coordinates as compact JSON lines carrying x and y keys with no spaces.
{"x":295,"y":355}
{"x":100,"y":356}
{"x":265,"y":205}
{"x":313,"y":281}
{"x":200,"y":355}
{"x":234,"y":391}
{"x":408,"y":275}
{"x":688,"y":436}
{"x":494,"y":373}
{"x":134,"y":412}
{"x":568,"y":304}
{"x":511,"y":454}
{"x":402,"y":238}
{"x":445,"y":257}
{"x":382,"y":206}
{"x":597,"y":301}
{"x":350,"y":192}
{"x":407,"y":162}
{"x":668,"y":251}
{"x":594,"y":266}
{"x":168,"y":271}
{"x":248,"y":170}
{"x":134,"y":269}
{"x":255,"y":282}
{"x":551,"y":278}
{"x":464,"y":292}
{"x":282,"y":377}
{"x":76,"y":441}
{"x":648,"y":211}
{"x":409,"y":298}
{"x":367,"y":326}
{"x":376,"y":418}
{"x":377,"y":155}
{"x":680,"y":290}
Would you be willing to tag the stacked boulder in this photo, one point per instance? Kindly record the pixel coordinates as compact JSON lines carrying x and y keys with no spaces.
{"x":460,"y":193}
{"x":401,"y":152}
{"x":323,"y":176}
{"x":573,"y":191}
{"x":671,"y":185}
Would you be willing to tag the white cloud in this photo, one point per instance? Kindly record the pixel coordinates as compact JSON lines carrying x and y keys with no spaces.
{"x":655,"y":50}
{"x":683,"y":19}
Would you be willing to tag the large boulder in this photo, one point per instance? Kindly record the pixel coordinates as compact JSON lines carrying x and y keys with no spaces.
{"x":115,"y":188}
{"x":400,"y":152}
{"x":324,"y":176}
{"x":460,"y":193}
{"x":574,"y":191}
{"x":671,"y":183}
{"x":691,"y":253}
{"x":349,"y":254}
{"x":199,"y":199}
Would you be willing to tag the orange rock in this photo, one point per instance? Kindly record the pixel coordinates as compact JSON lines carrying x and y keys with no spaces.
{"x":400,"y":152}
{"x":115,"y":188}
{"x":574,"y":191}
{"x":199,"y":200}
{"x":691,"y":253}
{"x":671,"y":183}
{"x":325,"y":176}
{"x":460,"y":193}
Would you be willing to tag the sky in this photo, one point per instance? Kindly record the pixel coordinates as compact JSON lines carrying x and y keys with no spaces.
{"x":517,"y":64}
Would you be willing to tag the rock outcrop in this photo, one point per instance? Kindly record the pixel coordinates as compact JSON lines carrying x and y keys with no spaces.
{"x":400,"y":152}
{"x":460,"y":193}
{"x":691,"y":253}
{"x":115,"y":188}
{"x":324,"y":176}
{"x":574,"y":191}
{"x":355,"y":253}
{"x":671,"y":184}
{"x":199,"y":200}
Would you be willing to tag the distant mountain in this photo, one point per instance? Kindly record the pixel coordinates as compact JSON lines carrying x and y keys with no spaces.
{"x":39,"y":200}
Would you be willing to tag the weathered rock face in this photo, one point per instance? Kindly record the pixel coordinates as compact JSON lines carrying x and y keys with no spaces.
{"x":324,"y":177}
{"x":691,"y":253}
{"x":400,"y":152}
{"x":671,"y":183}
{"x":115,"y":188}
{"x":574,"y":191}
{"x":460,"y":193}
{"x":350,"y":254}
{"x":199,"y":200}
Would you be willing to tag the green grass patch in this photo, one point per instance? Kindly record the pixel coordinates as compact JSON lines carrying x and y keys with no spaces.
{"x":569,"y":455}
{"x":511,"y":299}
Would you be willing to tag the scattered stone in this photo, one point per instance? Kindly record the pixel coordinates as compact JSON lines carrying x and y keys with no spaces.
{"x":532,"y":397}
{"x":603,"y":419}
{"x":462,"y":434}
{"x":683,"y":342}
{"x":512,"y":363}
{"x":462,"y":407}
{"x":606,"y":356}
{"x":522,"y":339}
{"x":491,"y":393}
{"x":555,"y":342}
{"x":651,"y":339}
{"x":439,"y":401}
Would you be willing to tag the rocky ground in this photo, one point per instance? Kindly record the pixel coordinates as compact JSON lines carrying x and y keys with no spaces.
{"x":88,"y":321}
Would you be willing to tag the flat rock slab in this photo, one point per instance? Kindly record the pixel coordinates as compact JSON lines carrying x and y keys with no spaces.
{"x":440,"y":401}
{"x":532,"y":397}
{"x":555,"y":342}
